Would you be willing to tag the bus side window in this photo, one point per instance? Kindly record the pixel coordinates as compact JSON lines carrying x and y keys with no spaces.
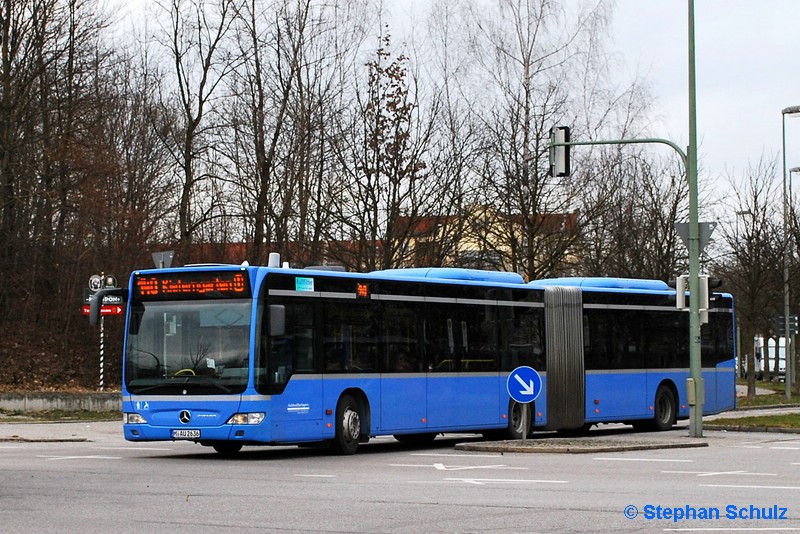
{"x":441,"y":341}
{"x":526,"y":345}
{"x":334,"y":357}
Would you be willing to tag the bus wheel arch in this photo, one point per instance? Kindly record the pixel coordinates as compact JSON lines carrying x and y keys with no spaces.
{"x":665,"y":406}
{"x":352,"y":422}
{"x":515,"y":411}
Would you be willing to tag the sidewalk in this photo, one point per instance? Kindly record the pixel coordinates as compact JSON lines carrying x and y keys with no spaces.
{"x":94,"y":431}
{"x":741,"y":391}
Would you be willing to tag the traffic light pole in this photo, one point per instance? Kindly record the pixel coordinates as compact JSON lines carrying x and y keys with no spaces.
{"x":695,"y":369}
{"x":689,"y":158}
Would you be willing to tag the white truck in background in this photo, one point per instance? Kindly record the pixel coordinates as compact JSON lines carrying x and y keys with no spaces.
{"x":767,"y":354}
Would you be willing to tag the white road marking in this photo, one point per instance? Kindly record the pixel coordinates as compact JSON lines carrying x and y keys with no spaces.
{"x":715,"y":473}
{"x":734,"y":529}
{"x":749,"y":487}
{"x":442,"y":467}
{"x":457,"y":455}
{"x":484,"y":481}
{"x":87,"y":457}
{"x":642,"y":460}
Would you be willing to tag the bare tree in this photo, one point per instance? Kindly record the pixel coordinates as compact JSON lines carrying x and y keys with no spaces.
{"x":751,"y":268}
{"x":195,"y":39}
{"x":634,"y":233}
{"x":541,"y":65}
{"x":382,"y":153}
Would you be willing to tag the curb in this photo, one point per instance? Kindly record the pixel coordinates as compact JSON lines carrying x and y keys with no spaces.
{"x":20,"y":439}
{"x":589,"y":445}
{"x":740,"y":428}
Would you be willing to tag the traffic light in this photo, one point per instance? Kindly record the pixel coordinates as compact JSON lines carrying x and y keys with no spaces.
{"x":780,"y":325}
{"x":706,"y":285}
{"x":559,"y":155}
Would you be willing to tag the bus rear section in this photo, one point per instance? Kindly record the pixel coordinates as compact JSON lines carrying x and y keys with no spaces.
{"x":629,"y":361}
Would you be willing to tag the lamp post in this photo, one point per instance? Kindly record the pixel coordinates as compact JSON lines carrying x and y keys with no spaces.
{"x":789,"y":353}
{"x":791,"y":110}
{"x":694,"y":385}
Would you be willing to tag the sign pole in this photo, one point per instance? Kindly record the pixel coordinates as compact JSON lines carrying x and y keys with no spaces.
{"x":102,"y":347}
{"x":524,"y":385}
{"x":524,"y":424}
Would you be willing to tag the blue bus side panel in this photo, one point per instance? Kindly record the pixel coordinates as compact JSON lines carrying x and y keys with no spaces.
{"x":724,"y":396}
{"x":462,"y":402}
{"x":403,"y":403}
{"x":540,"y":404}
{"x":710,"y":400}
{"x":614,"y":396}
{"x":297,"y":413}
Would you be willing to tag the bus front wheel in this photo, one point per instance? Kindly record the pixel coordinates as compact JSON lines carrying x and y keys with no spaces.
{"x":348,"y":426}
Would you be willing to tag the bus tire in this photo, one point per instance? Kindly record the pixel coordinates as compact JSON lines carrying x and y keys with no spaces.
{"x":348,"y":426}
{"x":515,"y":411}
{"x":665,"y":408}
{"x":227,"y":448}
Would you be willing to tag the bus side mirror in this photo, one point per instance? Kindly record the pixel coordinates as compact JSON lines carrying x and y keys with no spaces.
{"x":277,"y":320}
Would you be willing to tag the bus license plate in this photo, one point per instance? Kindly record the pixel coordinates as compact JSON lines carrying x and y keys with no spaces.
{"x":185,"y":433}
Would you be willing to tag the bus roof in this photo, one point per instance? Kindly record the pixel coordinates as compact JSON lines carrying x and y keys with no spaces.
{"x":453,"y":273}
{"x":626,"y":284}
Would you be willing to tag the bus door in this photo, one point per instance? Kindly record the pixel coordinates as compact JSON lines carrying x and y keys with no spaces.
{"x":566,"y":386}
{"x":404,"y":400}
{"x":462,"y":367}
{"x":443,"y":359}
{"x":296,"y":389}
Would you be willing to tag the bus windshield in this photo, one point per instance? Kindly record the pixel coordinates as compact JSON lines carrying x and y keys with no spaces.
{"x":194,"y":347}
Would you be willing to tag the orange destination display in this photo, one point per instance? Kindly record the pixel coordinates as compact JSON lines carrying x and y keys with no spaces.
{"x":191,"y":285}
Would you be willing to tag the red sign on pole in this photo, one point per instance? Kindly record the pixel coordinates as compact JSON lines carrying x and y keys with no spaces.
{"x":106,"y":310}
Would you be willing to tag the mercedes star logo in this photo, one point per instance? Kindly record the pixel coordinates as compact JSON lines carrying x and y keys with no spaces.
{"x":185,"y":417}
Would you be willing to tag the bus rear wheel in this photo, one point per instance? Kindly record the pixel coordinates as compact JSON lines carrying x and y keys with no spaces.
{"x":348,"y":426}
{"x":515,"y":411}
{"x":665,"y":408}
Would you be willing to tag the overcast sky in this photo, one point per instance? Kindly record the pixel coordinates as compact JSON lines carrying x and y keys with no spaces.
{"x":748,"y":70}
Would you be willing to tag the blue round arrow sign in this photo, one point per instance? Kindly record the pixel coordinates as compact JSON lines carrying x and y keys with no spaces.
{"x":524,"y":384}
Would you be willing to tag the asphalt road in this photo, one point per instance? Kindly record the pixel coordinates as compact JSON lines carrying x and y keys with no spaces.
{"x":83,"y":477}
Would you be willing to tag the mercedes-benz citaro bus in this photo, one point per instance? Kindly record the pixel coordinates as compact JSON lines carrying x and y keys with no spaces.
{"x":228,"y":356}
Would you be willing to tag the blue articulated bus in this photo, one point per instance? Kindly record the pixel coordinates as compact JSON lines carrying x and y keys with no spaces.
{"x":228,"y":356}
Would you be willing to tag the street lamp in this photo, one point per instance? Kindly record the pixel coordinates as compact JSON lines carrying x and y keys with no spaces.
{"x":791,"y":110}
{"x":791,"y":371}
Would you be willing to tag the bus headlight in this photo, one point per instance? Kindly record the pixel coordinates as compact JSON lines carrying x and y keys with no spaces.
{"x":253,"y":418}
{"x":134,"y":419}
